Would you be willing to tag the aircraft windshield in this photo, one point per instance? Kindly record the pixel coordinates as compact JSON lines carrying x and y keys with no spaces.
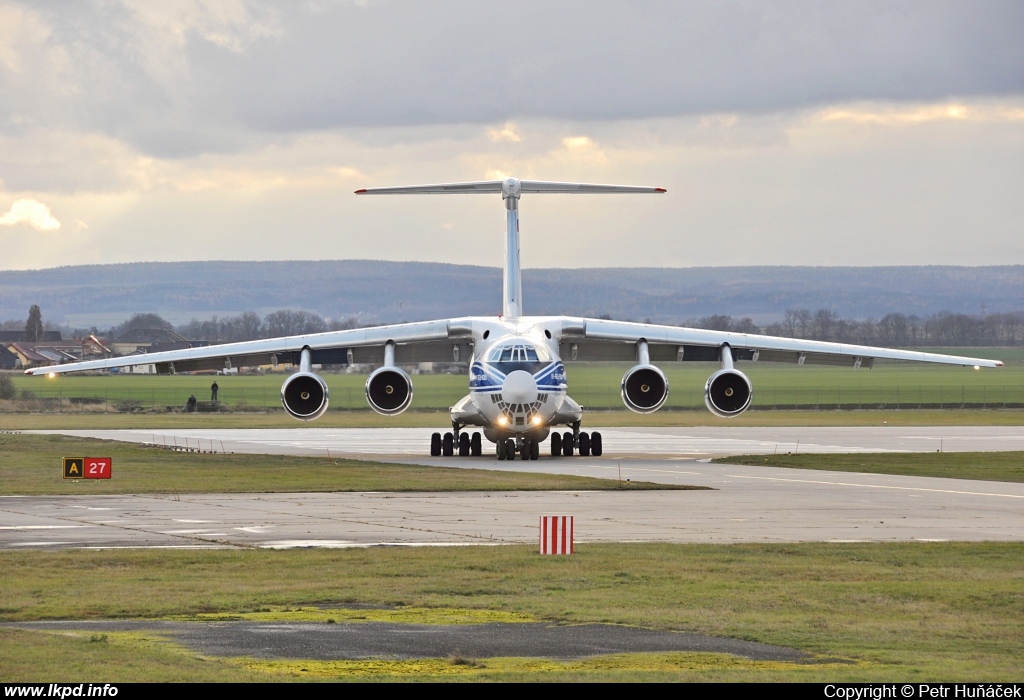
{"x":518,"y":353}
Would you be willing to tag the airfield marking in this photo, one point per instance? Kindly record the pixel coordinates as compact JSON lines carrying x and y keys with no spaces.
{"x":877,"y":486}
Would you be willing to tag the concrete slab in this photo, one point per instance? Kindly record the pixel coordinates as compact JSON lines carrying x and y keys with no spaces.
{"x":749,"y":504}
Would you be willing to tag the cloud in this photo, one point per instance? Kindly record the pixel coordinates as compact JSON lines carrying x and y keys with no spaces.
{"x":184,"y":77}
{"x":31,"y":212}
{"x":509,"y":132}
{"x":889,"y":115}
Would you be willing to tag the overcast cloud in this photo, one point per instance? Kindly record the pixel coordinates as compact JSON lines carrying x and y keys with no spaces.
{"x":786,"y":133}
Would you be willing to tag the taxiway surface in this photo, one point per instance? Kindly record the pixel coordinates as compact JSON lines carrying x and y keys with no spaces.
{"x":618,"y":442}
{"x":743,"y":504}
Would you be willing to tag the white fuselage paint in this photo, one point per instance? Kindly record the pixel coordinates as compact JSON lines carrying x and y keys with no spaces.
{"x":517,"y":382}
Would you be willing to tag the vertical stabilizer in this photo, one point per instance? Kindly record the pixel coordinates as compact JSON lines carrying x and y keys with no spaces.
{"x":512,"y":280}
{"x":511,"y":189}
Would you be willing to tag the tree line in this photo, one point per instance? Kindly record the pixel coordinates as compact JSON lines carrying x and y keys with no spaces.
{"x":892,"y":330}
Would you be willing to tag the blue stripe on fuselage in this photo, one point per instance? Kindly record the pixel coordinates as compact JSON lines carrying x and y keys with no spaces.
{"x":486,"y":377}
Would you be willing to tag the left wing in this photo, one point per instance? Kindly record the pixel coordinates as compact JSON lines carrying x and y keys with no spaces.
{"x":597,"y":339}
{"x":428,"y":341}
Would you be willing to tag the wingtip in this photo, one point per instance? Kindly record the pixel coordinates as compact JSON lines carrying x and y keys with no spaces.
{"x":999,"y":363}
{"x":660,"y":190}
{"x":362,"y":191}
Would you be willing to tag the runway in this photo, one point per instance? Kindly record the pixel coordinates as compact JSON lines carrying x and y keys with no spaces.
{"x":745,"y":504}
{"x":618,"y":442}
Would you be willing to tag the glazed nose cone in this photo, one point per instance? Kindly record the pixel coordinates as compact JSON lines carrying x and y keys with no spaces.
{"x":519,"y":387}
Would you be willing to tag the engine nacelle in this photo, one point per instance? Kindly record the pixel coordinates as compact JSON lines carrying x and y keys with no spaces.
{"x":304,"y":395}
{"x":644,"y":389}
{"x":728,"y":393}
{"x":389,"y":391}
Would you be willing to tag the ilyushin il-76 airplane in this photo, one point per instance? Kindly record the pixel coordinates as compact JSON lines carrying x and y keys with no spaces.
{"x":518,"y":386}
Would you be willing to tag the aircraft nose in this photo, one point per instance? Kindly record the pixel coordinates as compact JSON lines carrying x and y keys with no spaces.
{"x":519,"y":387}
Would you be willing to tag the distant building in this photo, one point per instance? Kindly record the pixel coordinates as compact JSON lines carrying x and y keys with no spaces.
{"x":94,"y":349}
{"x":8,"y":360}
{"x":143,"y":339}
{"x":137,"y":369}
{"x":19,"y":336}
{"x":28,"y":357}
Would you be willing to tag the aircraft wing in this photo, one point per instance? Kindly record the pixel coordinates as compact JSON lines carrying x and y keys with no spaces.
{"x":598,"y":339}
{"x":429,"y":341}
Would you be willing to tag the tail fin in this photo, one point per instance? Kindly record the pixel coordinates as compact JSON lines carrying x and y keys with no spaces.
{"x":511,"y":189}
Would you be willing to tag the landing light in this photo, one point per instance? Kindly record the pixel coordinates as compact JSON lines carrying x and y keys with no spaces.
{"x":977,"y":366}
{"x":51,"y":375}
{"x":502,"y":420}
{"x":536,"y":420}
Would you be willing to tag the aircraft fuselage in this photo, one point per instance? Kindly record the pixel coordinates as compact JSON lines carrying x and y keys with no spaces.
{"x":517,"y":381}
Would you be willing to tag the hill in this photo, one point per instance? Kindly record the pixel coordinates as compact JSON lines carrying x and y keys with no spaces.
{"x":381,"y":291}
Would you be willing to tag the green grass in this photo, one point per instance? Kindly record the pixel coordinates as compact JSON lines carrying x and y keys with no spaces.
{"x":984,"y":466}
{"x":594,"y":385}
{"x":31,"y":465}
{"x":894,"y":612}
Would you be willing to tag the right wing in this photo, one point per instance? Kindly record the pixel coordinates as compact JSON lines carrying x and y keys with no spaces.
{"x":446,"y":340}
{"x":599,"y":339}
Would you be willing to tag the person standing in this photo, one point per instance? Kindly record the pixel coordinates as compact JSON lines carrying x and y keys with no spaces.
{"x":213,"y":391}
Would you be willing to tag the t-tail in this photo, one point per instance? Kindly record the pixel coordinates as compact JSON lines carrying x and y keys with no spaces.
{"x":511,"y":189}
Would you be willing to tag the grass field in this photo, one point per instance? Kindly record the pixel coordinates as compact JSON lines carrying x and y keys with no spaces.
{"x":594,"y":385}
{"x":881,"y":612}
{"x":31,"y":465}
{"x":984,"y":466}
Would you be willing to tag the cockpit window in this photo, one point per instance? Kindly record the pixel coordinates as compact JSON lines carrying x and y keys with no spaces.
{"x":518,"y":353}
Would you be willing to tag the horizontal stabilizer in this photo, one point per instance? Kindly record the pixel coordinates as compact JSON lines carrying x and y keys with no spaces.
{"x":449,"y":188}
{"x":495,"y":186}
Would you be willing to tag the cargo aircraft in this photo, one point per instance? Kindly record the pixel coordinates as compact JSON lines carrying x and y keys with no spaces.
{"x":518,"y":386}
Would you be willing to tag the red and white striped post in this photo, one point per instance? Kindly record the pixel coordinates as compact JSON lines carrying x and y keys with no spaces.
{"x":556,"y":534}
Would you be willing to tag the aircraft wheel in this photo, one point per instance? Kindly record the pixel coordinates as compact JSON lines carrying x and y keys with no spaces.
{"x":556,"y":444}
{"x":584,"y":444}
{"x":499,"y":447}
{"x":474,"y":445}
{"x":534,"y":449}
{"x":447,"y":444}
{"x":596,"y":448}
{"x":510,"y":449}
{"x":525,"y":453}
{"x":567,"y":444}
{"x":463,"y":445}
{"x":435,"y":445}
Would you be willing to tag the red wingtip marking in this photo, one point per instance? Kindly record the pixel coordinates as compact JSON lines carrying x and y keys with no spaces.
{"x":660,"y":189}
{"x":999,"y":363}
{"x":362,"y":191}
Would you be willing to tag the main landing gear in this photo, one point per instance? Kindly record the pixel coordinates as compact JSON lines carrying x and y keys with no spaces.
{"x":455,"y":442}
{"x":585,"y":444}
{"x":562,"y":444}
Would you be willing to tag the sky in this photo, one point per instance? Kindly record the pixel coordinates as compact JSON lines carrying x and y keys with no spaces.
{"x":786,"y":133}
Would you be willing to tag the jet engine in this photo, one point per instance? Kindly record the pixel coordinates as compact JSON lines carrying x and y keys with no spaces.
{"x":389,"y":391}
{"x":728,"y":393}
{"x":644,"y":389}
{"x":304,"y":395}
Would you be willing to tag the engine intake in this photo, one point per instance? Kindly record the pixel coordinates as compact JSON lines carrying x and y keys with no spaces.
{"x":304,"y":395}
{"x":728,"y":393}
{"x":644,"y":389}
{"x":389,"y":391}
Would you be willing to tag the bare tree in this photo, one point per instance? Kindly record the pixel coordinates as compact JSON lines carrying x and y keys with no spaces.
{"x":824,"y":324}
